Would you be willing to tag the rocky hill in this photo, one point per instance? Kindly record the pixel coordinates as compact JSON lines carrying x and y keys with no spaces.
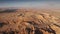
{"x":28,"y":22}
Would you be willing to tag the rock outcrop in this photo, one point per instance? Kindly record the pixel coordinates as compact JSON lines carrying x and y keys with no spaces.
{"x":29,"y":22}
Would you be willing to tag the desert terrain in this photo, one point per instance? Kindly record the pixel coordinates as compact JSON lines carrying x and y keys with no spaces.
{"x":29,"y":21}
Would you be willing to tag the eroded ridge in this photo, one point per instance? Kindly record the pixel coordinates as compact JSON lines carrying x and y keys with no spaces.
{"x":29,"y":22}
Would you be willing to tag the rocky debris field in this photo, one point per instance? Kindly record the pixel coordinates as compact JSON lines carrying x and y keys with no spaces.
{"x":28,"y":22}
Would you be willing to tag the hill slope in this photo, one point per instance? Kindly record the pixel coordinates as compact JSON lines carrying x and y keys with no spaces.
{"x":28,"y":22}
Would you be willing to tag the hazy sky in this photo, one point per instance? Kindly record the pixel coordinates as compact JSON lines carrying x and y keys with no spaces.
{"x":30,"y":3}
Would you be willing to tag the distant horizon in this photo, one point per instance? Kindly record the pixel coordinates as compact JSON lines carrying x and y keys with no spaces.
{"x":30,"y":3}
